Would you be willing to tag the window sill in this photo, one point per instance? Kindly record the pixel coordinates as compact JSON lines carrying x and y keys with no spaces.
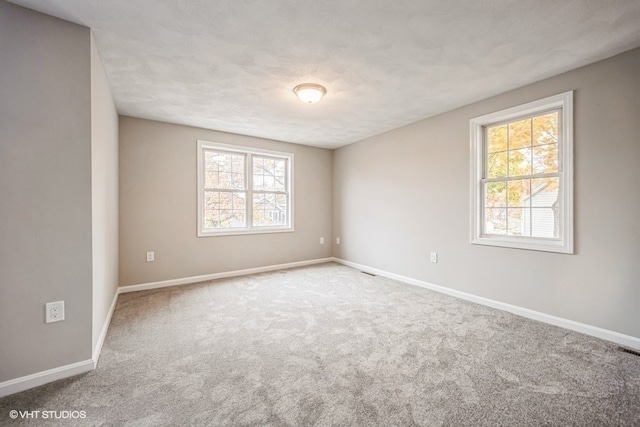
{"x":244,"y":231}
{"x":532,"y":244}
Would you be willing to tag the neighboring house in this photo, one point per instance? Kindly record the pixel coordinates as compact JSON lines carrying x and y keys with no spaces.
{"x":542,"y":219}
{"x":276,"y":214}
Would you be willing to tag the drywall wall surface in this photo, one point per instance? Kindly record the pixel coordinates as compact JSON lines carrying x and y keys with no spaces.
{"x":45,"y":191}
{"x":158,"y":206}
{"x":405,"y":193}
{"x":104,"y":194}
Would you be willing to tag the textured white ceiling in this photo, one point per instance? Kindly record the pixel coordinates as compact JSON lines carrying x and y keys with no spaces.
{"x":231,"y":65}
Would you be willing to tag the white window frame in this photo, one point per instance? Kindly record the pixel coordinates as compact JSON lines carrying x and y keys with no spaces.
{"x":249,"y":152}
{"x":563,"y":244}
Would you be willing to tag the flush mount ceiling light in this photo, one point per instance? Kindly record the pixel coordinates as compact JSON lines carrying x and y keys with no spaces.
{"x":309,"y":93}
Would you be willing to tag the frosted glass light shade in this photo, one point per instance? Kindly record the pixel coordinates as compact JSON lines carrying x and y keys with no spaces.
{"x":309,"y":93}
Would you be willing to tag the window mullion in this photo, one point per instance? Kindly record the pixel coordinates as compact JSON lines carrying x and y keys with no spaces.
{"x":227,"y":190}
{"x":249,"y":191}
{"x":269,"y":192}
{"x":485,"y":152}
{"x":560,"y":142}
{"x":531,"y":206}
{"x":287,"y":188}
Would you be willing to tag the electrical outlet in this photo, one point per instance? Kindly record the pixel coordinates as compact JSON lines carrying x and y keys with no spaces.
{"x":151,"y":256}
{"x":322,"y":240}
{"x":434,"y":257}
{"x":54,"y":311}
{"x":337,"y":240}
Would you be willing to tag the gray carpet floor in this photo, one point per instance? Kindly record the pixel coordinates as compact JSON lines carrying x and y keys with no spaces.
{"x":327,"y":345}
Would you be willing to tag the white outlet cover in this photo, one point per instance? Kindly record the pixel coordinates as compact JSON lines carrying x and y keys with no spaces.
{"x":151,"y":256}
{"x":434,"y":257}
{"x":54,"y":311}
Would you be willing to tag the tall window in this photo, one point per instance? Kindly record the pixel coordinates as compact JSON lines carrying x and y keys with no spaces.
{"x":243,"y":190}
{"x":522,"y":189}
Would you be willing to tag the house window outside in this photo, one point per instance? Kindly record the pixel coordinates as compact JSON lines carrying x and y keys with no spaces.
{"x":243,"y":190}
{"x":522,"y":189}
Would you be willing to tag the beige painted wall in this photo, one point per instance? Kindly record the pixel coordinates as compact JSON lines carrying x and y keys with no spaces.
{"x":45,"y":191}
{"x":158,"y":206}
{"x":405,"y":193}
{"x":104,"y":194}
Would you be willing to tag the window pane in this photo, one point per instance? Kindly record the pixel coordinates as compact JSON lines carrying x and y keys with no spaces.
{"x":544,"y":222}
{"x":258,"y":165}
{"x":495,"y":221}
{"x":544,"y":192}
{"x":237,"y":180}
{"x":259,"y":173}
{"x":269,"y":174}
{"x":516,"y":221}
{"x":497,"y":165}
{"x":495,"y":194}
{"x":224,"y":209}
{"x":281,"y":202}
{"x":519,"y":192}
{"x":281,"y":175}
{"x":224,"y":170}
{"x":545,"y":213}
{"x":212,"y":160}
{"x":210,"y":177}
{"x":497,"y":139}
{"x":520,"y":162}
{"x":211,"y":169}
{"x":269,"y":183}
{"x":224,"y":180}
{"x":520,"y":134}
{"x":237,"y":164}
{"x":258,"y":182}
{"x":545,"y":129}
{"x":238,"y":171}
{"x":269,"y":164}
{"x":269,"y":209}
{"x":545,"y":158}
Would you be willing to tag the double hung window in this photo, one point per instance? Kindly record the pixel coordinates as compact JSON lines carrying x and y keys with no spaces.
{"x":522,"y":189}
{"x":243,"y":190}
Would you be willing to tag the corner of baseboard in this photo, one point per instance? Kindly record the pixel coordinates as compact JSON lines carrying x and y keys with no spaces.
{"x":103,"y":332}
{"x":27,"y":382}
{"x":40,"y":378}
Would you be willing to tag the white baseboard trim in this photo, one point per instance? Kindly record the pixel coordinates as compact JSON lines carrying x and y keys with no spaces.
{"x":206,"y":277}
{"x":103,"y":333}
{"x":605,"y":334}
{"x":40,"y":378}
{"x":17,"y":385}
